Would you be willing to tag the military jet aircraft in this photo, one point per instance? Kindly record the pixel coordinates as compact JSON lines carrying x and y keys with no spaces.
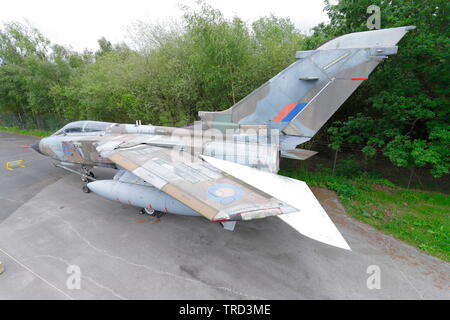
{"x":224,"y":167}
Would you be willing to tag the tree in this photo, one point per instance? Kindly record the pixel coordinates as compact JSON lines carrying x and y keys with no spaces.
{"x":402,"y":111}
{"x":102,"y":90}
{"x":29,"y":68}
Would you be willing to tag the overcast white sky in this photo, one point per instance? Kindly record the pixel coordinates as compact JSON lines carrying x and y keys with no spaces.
{"x":81,"y":23}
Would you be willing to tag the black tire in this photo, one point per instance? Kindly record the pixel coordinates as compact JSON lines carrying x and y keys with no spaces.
{"x":86,"y":189}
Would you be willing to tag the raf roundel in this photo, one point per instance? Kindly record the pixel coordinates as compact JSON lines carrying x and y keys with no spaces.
{"x":225,"y":193}
{"x":66,"y":150}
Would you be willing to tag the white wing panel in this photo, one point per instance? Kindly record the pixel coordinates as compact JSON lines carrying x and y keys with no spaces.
{"x":311,"y":220}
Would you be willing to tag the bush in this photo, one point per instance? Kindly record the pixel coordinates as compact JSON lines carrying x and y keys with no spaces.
{"x":343,"y":189}
{"x":348,"y":168}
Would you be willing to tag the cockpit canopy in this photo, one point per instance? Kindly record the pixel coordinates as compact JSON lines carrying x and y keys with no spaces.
{"x":83,"y":127}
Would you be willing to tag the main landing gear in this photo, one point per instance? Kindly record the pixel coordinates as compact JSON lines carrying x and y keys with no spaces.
{"x":151,"y":212}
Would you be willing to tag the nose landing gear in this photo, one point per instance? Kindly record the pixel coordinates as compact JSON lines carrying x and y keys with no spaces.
{"x":86,"y":174}
{"x":86,"y":189}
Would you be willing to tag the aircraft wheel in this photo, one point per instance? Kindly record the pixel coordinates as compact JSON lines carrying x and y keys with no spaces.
{"x":147,"y":211}
{"x":86,"y":189}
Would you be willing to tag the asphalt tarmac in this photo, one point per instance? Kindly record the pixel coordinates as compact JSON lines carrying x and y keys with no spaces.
{"x":57,"y":242}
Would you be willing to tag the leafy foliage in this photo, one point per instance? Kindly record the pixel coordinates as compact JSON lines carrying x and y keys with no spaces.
{"x":403,"y":110}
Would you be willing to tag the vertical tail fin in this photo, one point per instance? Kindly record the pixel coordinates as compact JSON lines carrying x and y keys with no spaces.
{"x":301,"y":98}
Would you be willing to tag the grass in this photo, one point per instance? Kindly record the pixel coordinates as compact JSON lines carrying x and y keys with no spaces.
{"x":419,"y":218}
{"x":36,"y":133}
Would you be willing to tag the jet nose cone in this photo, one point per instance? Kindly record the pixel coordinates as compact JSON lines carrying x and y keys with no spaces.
{"x":35,"y":146}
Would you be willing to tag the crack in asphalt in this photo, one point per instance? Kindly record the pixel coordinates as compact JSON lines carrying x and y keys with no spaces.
{"x":83,"y":276}
{"x":35,"y":274}
{"x":160,"y":272}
